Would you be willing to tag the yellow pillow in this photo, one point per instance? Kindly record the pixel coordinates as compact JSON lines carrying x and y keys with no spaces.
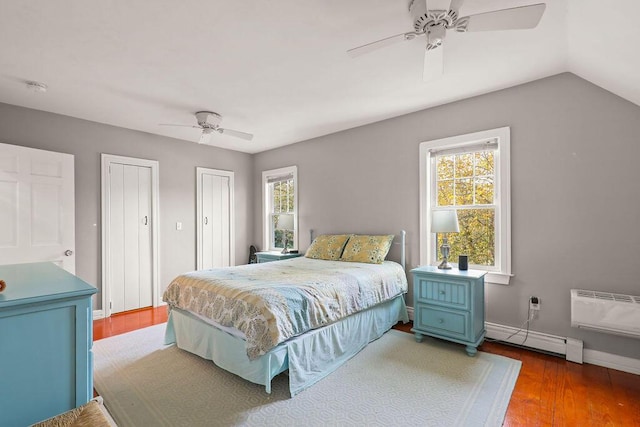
{"x":371,"y":249}
{"x":327,"y":246}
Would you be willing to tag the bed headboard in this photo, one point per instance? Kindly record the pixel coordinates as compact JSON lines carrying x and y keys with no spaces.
{"x":402,"y":243}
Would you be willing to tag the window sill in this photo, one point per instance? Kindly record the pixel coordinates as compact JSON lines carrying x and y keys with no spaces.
{"x":497,"y":278}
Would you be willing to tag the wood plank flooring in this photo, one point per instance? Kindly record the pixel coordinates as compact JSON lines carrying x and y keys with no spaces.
{"x":549,"y":392}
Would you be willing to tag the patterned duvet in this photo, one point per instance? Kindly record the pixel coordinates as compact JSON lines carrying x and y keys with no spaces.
{"x":272,"y":302}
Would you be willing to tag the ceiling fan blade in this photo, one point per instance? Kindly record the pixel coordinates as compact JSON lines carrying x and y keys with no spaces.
{"x":205,"y":137}
{"x":370,"y":47}
{"x":456,"y":4}
{"x":438,"y":4}
{"x":182,"y":126}
{"x":517,"y":18}
{"x":236,"y":133}
{"x":433,"y":64}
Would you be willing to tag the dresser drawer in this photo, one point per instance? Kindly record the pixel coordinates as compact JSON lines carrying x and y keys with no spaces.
{"x":454,"y":294}
{"x":442,"y":321}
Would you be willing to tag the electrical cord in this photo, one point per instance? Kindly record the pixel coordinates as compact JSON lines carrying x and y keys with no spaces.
{"x":526,"y":323}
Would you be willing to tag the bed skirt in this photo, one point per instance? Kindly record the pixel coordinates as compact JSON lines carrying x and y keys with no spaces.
{"x":308,"y":357}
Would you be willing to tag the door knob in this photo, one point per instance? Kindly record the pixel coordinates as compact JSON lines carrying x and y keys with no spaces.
{"x":68,"y":252}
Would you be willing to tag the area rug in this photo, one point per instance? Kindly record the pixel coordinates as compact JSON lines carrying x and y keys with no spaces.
{"x":394,"y":381}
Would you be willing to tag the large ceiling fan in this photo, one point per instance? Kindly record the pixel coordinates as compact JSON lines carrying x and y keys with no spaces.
{"x":432,"y":18}
{"x":209,"y":122}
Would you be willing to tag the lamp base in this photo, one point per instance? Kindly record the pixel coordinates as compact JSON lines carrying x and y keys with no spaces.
{"x":444,"y":265}
{"x":285,"y":251}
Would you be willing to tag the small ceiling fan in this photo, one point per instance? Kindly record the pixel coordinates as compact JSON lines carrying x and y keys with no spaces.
{"x":209,"y":122}
{"x":432,"y":18}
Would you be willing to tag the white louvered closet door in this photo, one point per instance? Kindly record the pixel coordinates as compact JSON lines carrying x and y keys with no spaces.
{"x":130,"y":237}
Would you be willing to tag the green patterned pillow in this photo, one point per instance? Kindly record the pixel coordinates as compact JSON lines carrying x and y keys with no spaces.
{"x":327,"y":246}
{"x":370,"y":249}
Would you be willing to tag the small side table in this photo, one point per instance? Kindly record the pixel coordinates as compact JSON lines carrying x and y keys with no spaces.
{"x":275,"y":256}
{"x":449,"y":304}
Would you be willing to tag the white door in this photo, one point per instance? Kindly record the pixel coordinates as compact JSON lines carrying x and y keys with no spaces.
{"x":130,"y":235}
{"x":37,"y":208}
{"x":215,"y":218}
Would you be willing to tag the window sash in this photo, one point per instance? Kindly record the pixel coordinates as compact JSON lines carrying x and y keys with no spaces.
{"x":270,"y":179}
{"x":468,"y":149}
{"x":495,"y":139}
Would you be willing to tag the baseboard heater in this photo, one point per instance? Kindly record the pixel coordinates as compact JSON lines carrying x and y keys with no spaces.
{"x":606,"y":312}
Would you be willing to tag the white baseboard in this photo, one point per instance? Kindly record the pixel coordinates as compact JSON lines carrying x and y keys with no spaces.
{"x":556,"y":344}
{"x":613,"y":361}
{"x":537,"y":340}
{"x":98,"y":314}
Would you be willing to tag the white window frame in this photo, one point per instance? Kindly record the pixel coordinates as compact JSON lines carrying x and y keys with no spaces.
{"x":266,"y":205}
{"x":501,"y":273}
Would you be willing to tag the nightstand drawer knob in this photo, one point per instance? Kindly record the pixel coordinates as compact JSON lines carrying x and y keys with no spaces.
{"x":440,"y":320}
{"x":442,"y":292}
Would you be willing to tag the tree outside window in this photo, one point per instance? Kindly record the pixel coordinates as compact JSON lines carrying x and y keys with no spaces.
{"x":465,"y":182}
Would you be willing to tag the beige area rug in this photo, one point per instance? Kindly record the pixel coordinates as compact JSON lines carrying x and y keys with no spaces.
{"x":394,"y":381}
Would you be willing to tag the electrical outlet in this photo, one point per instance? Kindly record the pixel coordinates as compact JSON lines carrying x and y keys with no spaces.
{"x":534,"y":307}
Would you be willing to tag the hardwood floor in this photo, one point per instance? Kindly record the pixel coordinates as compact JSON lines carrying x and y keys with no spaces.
{"x":549,"y":392}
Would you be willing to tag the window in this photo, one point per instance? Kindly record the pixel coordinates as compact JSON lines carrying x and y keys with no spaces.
{"x":470,"y":174}
{"x":280,"y":198}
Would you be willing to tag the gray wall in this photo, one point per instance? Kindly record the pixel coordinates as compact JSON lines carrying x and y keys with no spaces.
{"x":575,"y":192}
{"x":178,"y":160}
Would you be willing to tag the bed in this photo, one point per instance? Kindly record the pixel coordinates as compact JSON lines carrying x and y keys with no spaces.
{"x":305,"y":315}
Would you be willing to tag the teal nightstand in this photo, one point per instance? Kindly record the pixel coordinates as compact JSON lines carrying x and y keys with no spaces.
{"x":274,"y":256}
{"x":449,"y":304}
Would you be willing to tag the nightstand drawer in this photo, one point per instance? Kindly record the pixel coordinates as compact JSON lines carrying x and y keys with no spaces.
{"x":444,"y":322}
{"x":448,"y":294}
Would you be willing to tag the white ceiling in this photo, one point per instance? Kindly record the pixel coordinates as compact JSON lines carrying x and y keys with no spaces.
{"x":278,"y":69}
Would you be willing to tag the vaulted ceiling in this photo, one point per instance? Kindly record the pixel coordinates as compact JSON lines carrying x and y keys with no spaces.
{"x":279,"y":69}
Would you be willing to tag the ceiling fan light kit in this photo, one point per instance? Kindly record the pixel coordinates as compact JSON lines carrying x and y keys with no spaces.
{"x":432,"y":18}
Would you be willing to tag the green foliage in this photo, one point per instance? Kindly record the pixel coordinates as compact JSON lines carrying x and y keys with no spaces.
{"x":465,"y":181}
{"x":283,"y":196}
{"x":476,"y":237}
{"x":283,"y":202}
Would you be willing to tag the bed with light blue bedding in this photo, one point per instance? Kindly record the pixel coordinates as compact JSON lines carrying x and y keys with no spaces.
{"x":302,"y":315}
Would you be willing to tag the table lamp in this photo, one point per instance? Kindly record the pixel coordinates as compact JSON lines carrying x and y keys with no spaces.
{"x":444,"y":221}
{"x":285,"y":223}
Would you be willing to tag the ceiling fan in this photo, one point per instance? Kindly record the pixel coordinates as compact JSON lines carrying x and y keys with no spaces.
{"x":209,"y":122}
{"x":432,"y":18}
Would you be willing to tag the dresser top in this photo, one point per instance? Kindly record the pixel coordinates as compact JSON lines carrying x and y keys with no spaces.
{"x":451,"y":272}
{"x":44,"y":281}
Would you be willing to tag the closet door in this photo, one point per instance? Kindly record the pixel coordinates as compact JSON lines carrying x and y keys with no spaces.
{"x":215,"y":218}
{"x":130,"y":237}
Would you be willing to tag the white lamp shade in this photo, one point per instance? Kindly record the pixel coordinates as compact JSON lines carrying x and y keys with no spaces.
{"x":285,"y":222}
{"x":444,"y":221}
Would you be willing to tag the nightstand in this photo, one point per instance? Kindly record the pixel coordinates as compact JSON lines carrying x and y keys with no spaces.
{"x":275,"y":256}
{"x":449,"y":304}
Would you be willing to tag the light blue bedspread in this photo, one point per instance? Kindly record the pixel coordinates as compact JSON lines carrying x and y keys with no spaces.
{"x":272,"y":302}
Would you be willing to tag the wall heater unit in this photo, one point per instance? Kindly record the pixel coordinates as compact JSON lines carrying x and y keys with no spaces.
{"x":605,"y":312}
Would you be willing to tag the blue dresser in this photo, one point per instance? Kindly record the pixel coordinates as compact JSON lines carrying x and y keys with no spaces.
{"x":449,"y":304}
{"x":275,"y":256}
{"x":46,"y":335}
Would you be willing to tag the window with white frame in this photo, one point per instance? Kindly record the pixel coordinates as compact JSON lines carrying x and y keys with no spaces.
{"x":471,"y":175}
{"x":280,"y":208}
